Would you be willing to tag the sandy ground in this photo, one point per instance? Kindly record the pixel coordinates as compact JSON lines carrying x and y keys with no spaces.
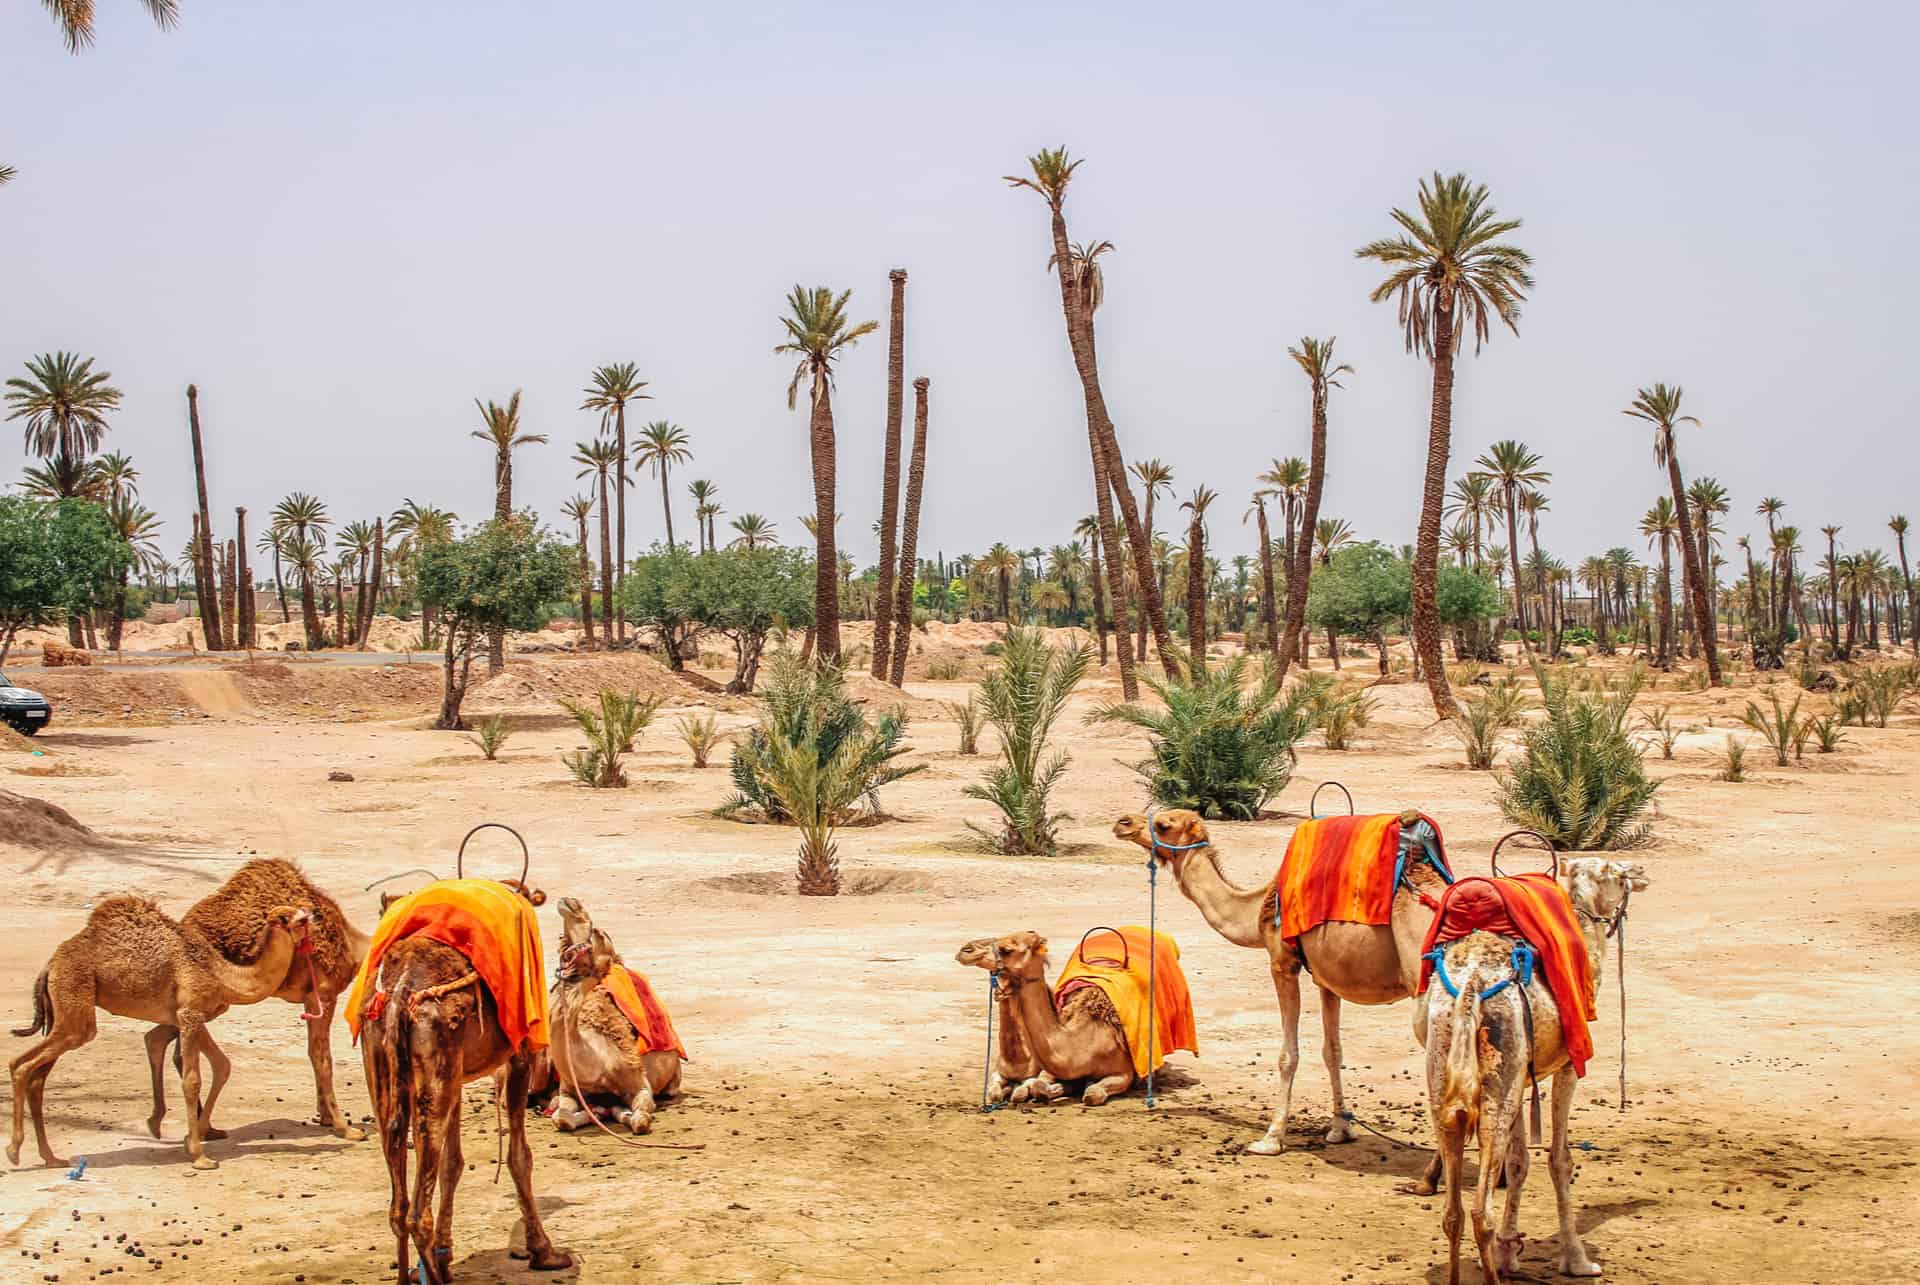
{"x":837,"y":1048}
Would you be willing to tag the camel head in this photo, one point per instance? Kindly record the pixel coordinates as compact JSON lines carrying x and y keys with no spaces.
{"x":1598,"y":887}
{"x":1166,"y":835}
{"x":585,"y":951}
{"x":981,"y":952}
{"x":296,"y":920}
{"x":534,"y":895}
{"x":1022,"y":955}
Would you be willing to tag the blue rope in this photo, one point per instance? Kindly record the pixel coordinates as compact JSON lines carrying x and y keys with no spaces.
{"x":1523,"y":957}
{"x":1153,"y":934}
{"x":986,"y":1072}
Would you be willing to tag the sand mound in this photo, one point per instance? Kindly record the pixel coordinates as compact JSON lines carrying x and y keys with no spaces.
{"x":39,"y":825}
{"x":853,"y":883}
{"x":11,"y":742}
{"x":577,"y":677}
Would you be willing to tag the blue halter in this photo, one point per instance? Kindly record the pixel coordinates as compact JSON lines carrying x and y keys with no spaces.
{"x":1523,"y":957}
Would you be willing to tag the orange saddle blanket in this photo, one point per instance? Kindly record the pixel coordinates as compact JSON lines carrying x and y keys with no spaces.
{"x":1343,"y":869}
{"x":633,"y":995}
{"x":1536,"y":909}
{"x":1125,"y":982}
{"x":489,"y":923}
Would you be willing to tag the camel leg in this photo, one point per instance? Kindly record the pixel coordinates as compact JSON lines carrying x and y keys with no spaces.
{"x":30,"y":1071}
{"x":640,"y":1108}
{"x":1450,"y":1144}
{"x":1097,"y":1093}
{"x":1574,"y":1260}
{"x":1286,"y":984}
{"x":1496,"y":1120}
{"x":436,"y":1113}
{"x":1342,"y":1130}
{"x":157,"y":1040}
{"x":222,"y":1068}
{"x":452,"y":1163}
{"x":192,"y":1035}
{"x":1508,"y":1242}
{"x":569,"y":1114}
{"x":389,"y":1108}
{"x":320,"y":1053}
{"x":541,"y":1254}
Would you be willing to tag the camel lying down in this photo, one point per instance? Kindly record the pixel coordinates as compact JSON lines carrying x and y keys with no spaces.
{"x":1017,"y":1075}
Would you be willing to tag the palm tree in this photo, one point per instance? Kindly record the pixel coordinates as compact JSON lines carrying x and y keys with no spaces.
{"x":1196,"y":505}
{"x":1001,"y":563}
{"x":502,"y":430}
{"x":661,"y":446}
{"x":1708,"y":500}
{"x":1833,"y":587}
{"x":303,"y":551}
{"x":608,"y":391}
{"x":1898,"y":525}
{"x":752,"y":530}
{"x":1268,"y":614}
{"x":1660,"y":525}
{"x":1155,"y":478}
{"x":65,"y":404}
{"x":116,"y":475}
{"x":76,"y":26}
{"x":818,"y":332}
{"x":305,"y":516}
{"x":890,"y":476}
{"x":1472,"y":503}
{"x":598,"y":459}
{"x":1533,"y":503}
{"x":206,"y":587}
{"x":6,"y":174}
{"x":357,"y":540}
{"x":1081,"y":291}
{"x":1510,"y":466}
{"x":705,"y":509}
{"x":413,"y":526}
{"x":580,"y":508}
{"x":1660,"y":407}
{"x":1315,"y":359}
{"x":909,"y":536}
{"x":1449,"y":270}
{"x":1330,"y":535}
{"x":138,"y":527}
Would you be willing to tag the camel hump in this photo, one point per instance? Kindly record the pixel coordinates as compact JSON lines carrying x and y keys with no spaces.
{"x":234,"y":916}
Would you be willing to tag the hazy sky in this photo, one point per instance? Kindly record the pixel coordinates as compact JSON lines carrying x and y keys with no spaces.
{"x":347,"y":220}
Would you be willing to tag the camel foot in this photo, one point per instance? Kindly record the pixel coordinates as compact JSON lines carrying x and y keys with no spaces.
{"x":1340,"y":1132}
{"x":1266,"y":1146}
{"x":1416,"y":1187}
{"x":205,"y":1162}
{"x":350,"y":1133}
{"x":153,"y":1125}
{"x":13,"y":1154}
{"x":639,"y":1123}
{"x":1574,"y":1262}
{"x":209,"y":1134}
{"x":565,"y":1123}
{"x":1506,"y":1252}
{"x":549,"y":1259}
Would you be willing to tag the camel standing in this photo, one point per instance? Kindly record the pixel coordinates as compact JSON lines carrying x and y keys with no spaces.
{"x":134,"y":961}
{"x":1017,"y":1075}
{"x":230,"y":919}
{"x":1360,"y":963}
{"x":594,"y":1049}
{"x":1478,"y":1054}
{"x":428,"y":1028}
{"x":1083,"y":1040}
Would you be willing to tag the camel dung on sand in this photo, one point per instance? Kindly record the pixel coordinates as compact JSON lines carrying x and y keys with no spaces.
{"x":230,"y":918}
{"x":134,"y":961}
{"x":1016,"y":1075}
{"x":1479,"y":1047}
{"x":595,"y":1050}
{"x":1082,"y":1039}
{"x":1360,"y":963}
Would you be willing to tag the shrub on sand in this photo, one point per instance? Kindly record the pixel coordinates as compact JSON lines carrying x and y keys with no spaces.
{"x":492,"y":736}
{"x":1579,"y":779}
{"x":1022,"y":698}
{"x":610,"y":725}
{"x":701,"y":734}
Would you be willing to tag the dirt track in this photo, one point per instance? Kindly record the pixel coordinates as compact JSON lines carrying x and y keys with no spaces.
{"x":837,"y":1047}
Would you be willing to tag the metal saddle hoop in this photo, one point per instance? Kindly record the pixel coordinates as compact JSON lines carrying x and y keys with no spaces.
{"x":1313,"y":813}
{"x":526,"y":857}
{"x":1553,"y":852}
{"x":1126,"y":957}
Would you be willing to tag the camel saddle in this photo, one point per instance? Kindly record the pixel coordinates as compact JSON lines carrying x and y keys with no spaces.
{"x":1347,"y":869}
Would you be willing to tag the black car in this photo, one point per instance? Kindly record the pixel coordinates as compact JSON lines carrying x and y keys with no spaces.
{"x":23,"y":710}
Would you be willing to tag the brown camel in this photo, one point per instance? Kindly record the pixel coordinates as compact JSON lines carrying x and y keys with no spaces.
{"x":437,"y":1029}
{"x":594,"y":1050}
{"x":230,"y":919}
{"x":134,"y":961}
{"x":1361,"y":963}
{"x":1478,"y":1055}
{"x":1017,"y":1075}
{"x":1082,"y":1040}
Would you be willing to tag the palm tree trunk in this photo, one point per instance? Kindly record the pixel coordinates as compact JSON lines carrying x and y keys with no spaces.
{"x":117,"y":614}
{"x":249,"y":637}
{"x":1197,"y":594}
{"x":1697,"y":577}
{"x":1426,"y":549}
{"x":1519,"y":598}
{"x":1140,"y":649}
{"x":909,"y":538}
{"x":228,"y":596}
{"x":206,"y":585}
{"x":1116,"y":573}
{"x":1302,"y":577}
{"x":1268,"y":616}
{"x":1664,"y":657}
{"x":890,"y":478}
{"x":340,"y":637}
{"x":1906,"y":578}
{"x":586,"y":582}
{"x":826,"y":553}
{"x":620,"y":503}
{"x":280,"y":583}
{"x":502,"y":510}
{"x":608,"y":571}
{"x":666,"y":504}
{"x":379,"y":571}
{"x":359,"y":604}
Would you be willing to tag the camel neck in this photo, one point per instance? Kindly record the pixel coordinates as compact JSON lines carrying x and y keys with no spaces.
{"x":251,"y":983}
{"x":1230,"y":910}
{"x":1033,"y":1002}
{"x":1012,"y":1038}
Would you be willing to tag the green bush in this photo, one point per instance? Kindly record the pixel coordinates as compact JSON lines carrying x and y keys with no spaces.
{"x":1780,"y":728}
{"x":701,"y":734}
{"x":969,"y":716}
{"x":1579,"y":779}
{"x":1022,"y":698}
{"x":1215,"y":748}
{"x":610,"y":725}
{"x":492,"y":736}
{"x":1578,"y":636}
{"x":1733,"y":764}
{"x":1879,"y":689}
{"x":1665,"y":731}
{"x":1482,"y":717}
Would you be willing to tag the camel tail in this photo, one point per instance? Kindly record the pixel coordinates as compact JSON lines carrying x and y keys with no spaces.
{"x":1462,"y":1090}
{"x":42,"y":1009}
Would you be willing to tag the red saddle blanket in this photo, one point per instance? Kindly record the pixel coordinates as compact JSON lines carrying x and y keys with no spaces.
{"x":1536,"y":909}
{"x":1341,"y":869}
{"x":633,"y":995}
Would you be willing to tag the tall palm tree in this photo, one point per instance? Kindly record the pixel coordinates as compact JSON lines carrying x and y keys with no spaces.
{"x":818,"y":332}
{"x":1196,"y":507}
{"x":1449,"y":269}
{"x":705,"y":509}
{"x":1155,"y":478}
{"x":890,"y":475}
{"x":1707,"y":500}
{"x":598,"y":459}
{"x":273,"y":542}
{"x":608,"y":391}
{"x":1050,"y":172}
{"x":501,"y":429}
{"x":1330,"y":535}
{"x":909,"y":536}
{"x":1533,"y":503}
{"x":139,"y":528}
{"x":1269,"y":621}
{"x":751,"y":531}
{"x":75,"y":18}
{"x":356,"y":540}
{"x":116,"y":475}
{"x":1315,"y":359}
{"x":661,"y":446}
{"x":1660,"y":525}
{"x":1898,"y":525}
{"x":580,"y":508}
{"x":305,"y":517}
{"x":65,"y":404}
{"x":206,"y":583}
{"x":1660,"y":407}
{"x":1473,"y":503}
{"x":1833,"y":587}
{"x":1509,"y":465}
{"x":1001,"y":563}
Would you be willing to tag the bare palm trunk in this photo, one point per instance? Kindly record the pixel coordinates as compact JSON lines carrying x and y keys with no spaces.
{"x":1426,"y":548}
{"x":502,"y":510}
{"x":249,"y":637}
{"x":310,"y":611}
{"x":909,"y":538}
{"x":826,"y":583}
{"x":1906,"y":578}
{"x":1197,"y":594}
{"x":280,"y":583}
{"x":206,"y":588}
{"x":1268,"y":615}
{"x":1519,"y":595}
{"x":666,"y":504}
{"x":1116,"y":573}
{"x":1696,"y":575}
{"x":620,"y":503}
{"x":1302,"y":577}
{"x":607,"y":572}
{"x":1140,"y":645}
{"x":890,"y":479}
{"x":586,"y":582}
{"x":1664,"y":657}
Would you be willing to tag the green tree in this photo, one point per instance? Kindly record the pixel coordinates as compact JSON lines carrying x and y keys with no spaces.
{"x":1511,"y":466}
{"x":1448,"y":270}
{"x":500,"y":576}
{"x":744,"y":594}
{"x":502,"y":431}
{"x":56,"y":560}
{"x":65,"y":404}
{"x":659,"y":594}
{"x":1315,"y":359}
{"x":1022,"y":698}
{"x":598,"y":459}
{"x":1361,"y":590}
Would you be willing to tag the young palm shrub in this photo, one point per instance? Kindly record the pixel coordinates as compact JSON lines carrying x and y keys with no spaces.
{"x":1733,"y":763}
{"x":1340,"y":712}
{"x":1879,"y":691}
{"x":1579,"y":779}
{"x":943,"y":671}
{"x":807,"y":705}
{"x":816,"y":793}
{"x":1666,"y":732}
{"x":1022,"y":698}
{"x":1482,"y":718}
{"x":1778,"y":727}
{"x":969,"y":715}
{"x":610,"y":725}
{"x":1827,"y":732}
{"x":1216,"y":748}
{"x":492,"y":736}
{"x":701,"y":734}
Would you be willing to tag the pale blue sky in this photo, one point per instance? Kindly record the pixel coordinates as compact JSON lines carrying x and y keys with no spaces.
{"x":345,"y":221}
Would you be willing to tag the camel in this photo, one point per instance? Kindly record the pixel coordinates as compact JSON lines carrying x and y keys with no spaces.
{"x":594,"y":1052}
{"x":230,"y":919}
{"x":1083,"y":1040}
{"x":134,"y":961}
{"x":1017,"y":1075}
{"x":1478,"y":1054}
{"x":1359,"y":963}
{"x":437,"y":1029}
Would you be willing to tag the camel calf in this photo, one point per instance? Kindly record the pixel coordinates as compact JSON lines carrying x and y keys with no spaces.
{"x":1017,"y":1075}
